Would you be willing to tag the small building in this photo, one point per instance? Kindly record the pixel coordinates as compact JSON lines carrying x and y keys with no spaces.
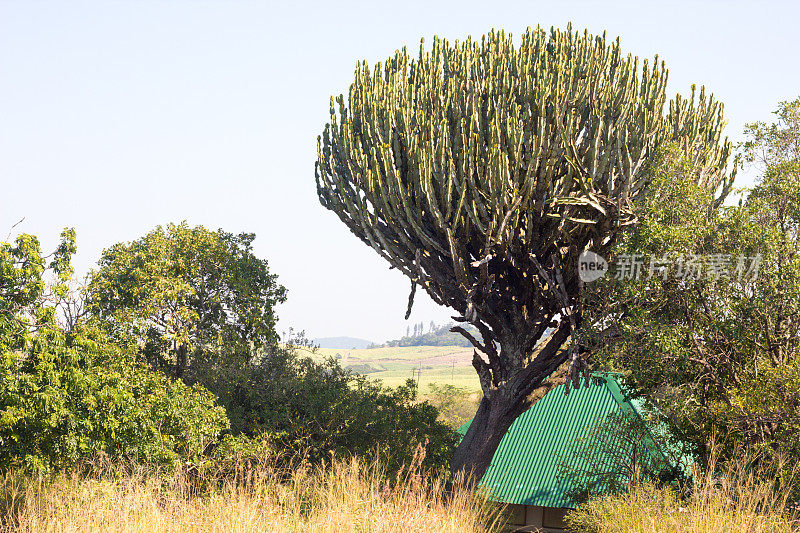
{"x":524,"y":472}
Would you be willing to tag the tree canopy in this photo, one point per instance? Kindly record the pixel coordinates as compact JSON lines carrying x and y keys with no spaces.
{"x":183,"y":290}
{"x":482,"y":169}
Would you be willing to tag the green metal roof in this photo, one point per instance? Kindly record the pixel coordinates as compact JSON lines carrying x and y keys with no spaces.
{"x":524,"y":469}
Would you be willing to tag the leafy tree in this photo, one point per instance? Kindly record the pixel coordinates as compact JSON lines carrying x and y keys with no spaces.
{"x":716,"y":351}
{"x":202,"y":306}
{"x":181,"y":291}
{"x":65,"y":397}
{"x":24,"y":293}
{"x":482,"y":170}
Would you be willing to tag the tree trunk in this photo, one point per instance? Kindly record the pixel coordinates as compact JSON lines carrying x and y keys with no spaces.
{"x":503,"y":402}
{"x":474,"y":454}
{"x":181,"y":360}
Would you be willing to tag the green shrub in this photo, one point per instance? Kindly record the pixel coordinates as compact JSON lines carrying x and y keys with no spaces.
{"x":455,"y":404}
{"x":72,"y":397}
{"x":69,"y":394}
{"x":317,"y":409}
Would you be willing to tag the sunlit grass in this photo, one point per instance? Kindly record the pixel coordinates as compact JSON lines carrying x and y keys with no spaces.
{"x":394,"y":365}
{"x":343,"y":496}
{"x":738,"y":497}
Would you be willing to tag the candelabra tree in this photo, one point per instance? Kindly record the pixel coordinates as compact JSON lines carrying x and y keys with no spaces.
{"x":483,"y":169}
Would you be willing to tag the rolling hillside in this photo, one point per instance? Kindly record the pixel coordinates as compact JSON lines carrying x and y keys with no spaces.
{"x":393,"y":365}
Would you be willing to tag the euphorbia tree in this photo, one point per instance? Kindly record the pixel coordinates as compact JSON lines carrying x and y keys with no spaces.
{"x":482,"y":170}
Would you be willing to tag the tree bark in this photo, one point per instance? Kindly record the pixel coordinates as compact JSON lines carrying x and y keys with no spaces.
{"x":503,"y":403}
{"x":474,"y":454}
{"x":181,"y":360}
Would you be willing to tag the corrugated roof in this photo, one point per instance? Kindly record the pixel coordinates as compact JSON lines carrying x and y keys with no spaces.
{"x":525,"y":467}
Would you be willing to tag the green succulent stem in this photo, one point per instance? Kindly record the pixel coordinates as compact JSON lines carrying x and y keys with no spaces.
{"x":526,"y":153}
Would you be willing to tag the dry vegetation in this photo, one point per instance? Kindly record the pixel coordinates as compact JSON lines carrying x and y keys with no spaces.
{"x":341,"y":497}
{"x":736,"y":498}
{"x":348,"y":496}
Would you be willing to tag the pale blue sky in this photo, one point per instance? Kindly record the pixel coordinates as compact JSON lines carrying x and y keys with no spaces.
{"x":118,"y":116}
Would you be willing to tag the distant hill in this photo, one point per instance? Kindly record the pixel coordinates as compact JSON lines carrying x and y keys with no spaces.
{"x":434,"y":336}
{"x":342,"y":343}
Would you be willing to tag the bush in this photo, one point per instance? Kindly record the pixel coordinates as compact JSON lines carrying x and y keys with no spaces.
{"x":745,"y":495}
{"x":456,"y":405}
{"x":69,"y":393}
{"x":318,"y":409}
{"x":73,"y":397}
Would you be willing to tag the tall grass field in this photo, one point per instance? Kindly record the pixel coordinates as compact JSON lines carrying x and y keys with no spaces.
{"x":344,"y":496}
{"x":742,"y":496}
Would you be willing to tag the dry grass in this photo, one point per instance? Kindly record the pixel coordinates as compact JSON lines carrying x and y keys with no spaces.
{"x":736,"y":498}
{"x":342,"y":497}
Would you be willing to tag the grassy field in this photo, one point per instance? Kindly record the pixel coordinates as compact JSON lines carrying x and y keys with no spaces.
{"x":343,"y":496}
{"x":425,"y":364}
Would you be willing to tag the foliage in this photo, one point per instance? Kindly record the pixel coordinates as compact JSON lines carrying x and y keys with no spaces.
{"x":67,"y":397}
{"x":181,"y":291}
{"x":482,"y":170}
{"x":71,"y":398}
{"x":234,"y":454}
{"x":455,"y":404}
{"x":25,"y":297}
{"x":70,"y":395}
{"x":775,"y":143}
{"x":618,"y":452}
{"x":715,"y":351}
{"x":319,"y":409}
